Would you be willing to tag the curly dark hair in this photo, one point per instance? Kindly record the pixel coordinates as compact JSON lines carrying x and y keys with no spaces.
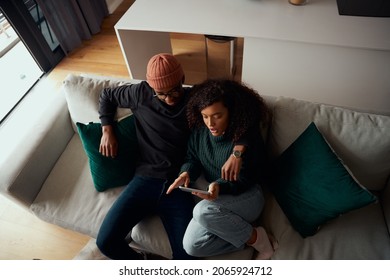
{"x":247,"y":109}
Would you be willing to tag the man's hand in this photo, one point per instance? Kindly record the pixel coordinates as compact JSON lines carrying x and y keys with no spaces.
{"x":182,"y":180}
{"x":108,"y":143}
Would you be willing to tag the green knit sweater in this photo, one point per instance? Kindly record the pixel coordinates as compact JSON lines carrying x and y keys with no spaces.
{"x":207,"y":154}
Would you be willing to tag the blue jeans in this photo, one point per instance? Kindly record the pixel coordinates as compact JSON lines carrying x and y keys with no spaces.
{"x":143,"y":197}
{"x":223,"y":225}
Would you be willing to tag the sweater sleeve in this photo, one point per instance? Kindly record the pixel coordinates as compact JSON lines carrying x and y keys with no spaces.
{"x":192,"y":164}
{"x":252,"y":170}
{"x":244,"y":140}
{"x":244,"y":181}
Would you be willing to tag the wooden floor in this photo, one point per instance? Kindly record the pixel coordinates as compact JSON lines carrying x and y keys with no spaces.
{"x":22,"y":235}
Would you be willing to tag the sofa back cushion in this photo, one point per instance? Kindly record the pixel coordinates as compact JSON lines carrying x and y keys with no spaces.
{"x":82,"y":95}
{"x":361,"y":140}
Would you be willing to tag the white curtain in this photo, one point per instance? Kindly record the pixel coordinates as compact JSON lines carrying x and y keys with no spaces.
{"x":73,"y":21}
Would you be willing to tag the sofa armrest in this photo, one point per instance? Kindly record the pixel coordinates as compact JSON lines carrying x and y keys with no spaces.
{"x":31,"y":148}
{"x":385,"y":202}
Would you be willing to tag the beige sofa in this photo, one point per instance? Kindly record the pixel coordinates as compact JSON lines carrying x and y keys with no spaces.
{"x":49,"y":175}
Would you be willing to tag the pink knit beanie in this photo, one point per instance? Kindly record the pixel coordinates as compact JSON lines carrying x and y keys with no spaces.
{"x":164,"y":72}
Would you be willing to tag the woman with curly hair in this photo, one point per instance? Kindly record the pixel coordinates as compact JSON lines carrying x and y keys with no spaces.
{"x":219,"y":112}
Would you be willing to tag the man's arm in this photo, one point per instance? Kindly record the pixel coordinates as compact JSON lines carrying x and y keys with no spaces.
{"x":108,"y":143}
{"x":112,"y":98}
{"x":109,"y":100}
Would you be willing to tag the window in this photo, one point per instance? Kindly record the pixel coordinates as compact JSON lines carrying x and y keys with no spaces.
{"x":19,"y":71}
{"x":28,"y":50}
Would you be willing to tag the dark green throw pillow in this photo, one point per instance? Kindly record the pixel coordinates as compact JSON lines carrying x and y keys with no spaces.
{"x":110,"y":172}
{"x":312,"y":186}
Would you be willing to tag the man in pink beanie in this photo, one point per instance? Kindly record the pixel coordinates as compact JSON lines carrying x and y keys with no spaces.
{"x":164,"y":72}
{"x":159,"y":107}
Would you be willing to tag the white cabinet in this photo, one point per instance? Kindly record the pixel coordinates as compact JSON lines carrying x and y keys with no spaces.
{"x":308,"y":52}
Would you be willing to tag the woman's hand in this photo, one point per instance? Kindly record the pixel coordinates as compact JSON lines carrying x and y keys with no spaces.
{"x":108,"y":143}
{"x":213,"y":192}
{"x":231,"y":169}
{"x":182,"y":180}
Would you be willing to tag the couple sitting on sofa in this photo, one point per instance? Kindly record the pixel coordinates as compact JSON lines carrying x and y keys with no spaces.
{"x":220,"y":121}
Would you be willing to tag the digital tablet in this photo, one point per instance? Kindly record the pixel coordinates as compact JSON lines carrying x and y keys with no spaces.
{"x":193,"y":190}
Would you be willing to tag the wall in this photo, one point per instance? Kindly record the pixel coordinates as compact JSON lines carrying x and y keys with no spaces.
{"x":113,"y":4}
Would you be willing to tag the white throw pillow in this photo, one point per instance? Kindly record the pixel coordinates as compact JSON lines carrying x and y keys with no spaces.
{"x":82,"y":95}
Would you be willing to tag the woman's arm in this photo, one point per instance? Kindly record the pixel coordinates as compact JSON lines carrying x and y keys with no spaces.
{"x":192,"y":164}
{"x":253,"y":164}
{"x":182,"y":180}
{"x":191,"y":169}
{"x":231,"y":169}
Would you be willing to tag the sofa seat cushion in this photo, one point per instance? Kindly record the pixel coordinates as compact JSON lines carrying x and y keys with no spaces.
{"x":359,"y":234}
{"x":92,"y":252}
{"x":149,"y":235}
{"x":68,"y":197}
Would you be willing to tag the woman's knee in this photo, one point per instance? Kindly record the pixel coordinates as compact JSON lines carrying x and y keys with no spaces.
{"x":205,"y":213}
{"x":187,"y":245}
{"x":195,"y":239}
{"x":191,"y":247}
